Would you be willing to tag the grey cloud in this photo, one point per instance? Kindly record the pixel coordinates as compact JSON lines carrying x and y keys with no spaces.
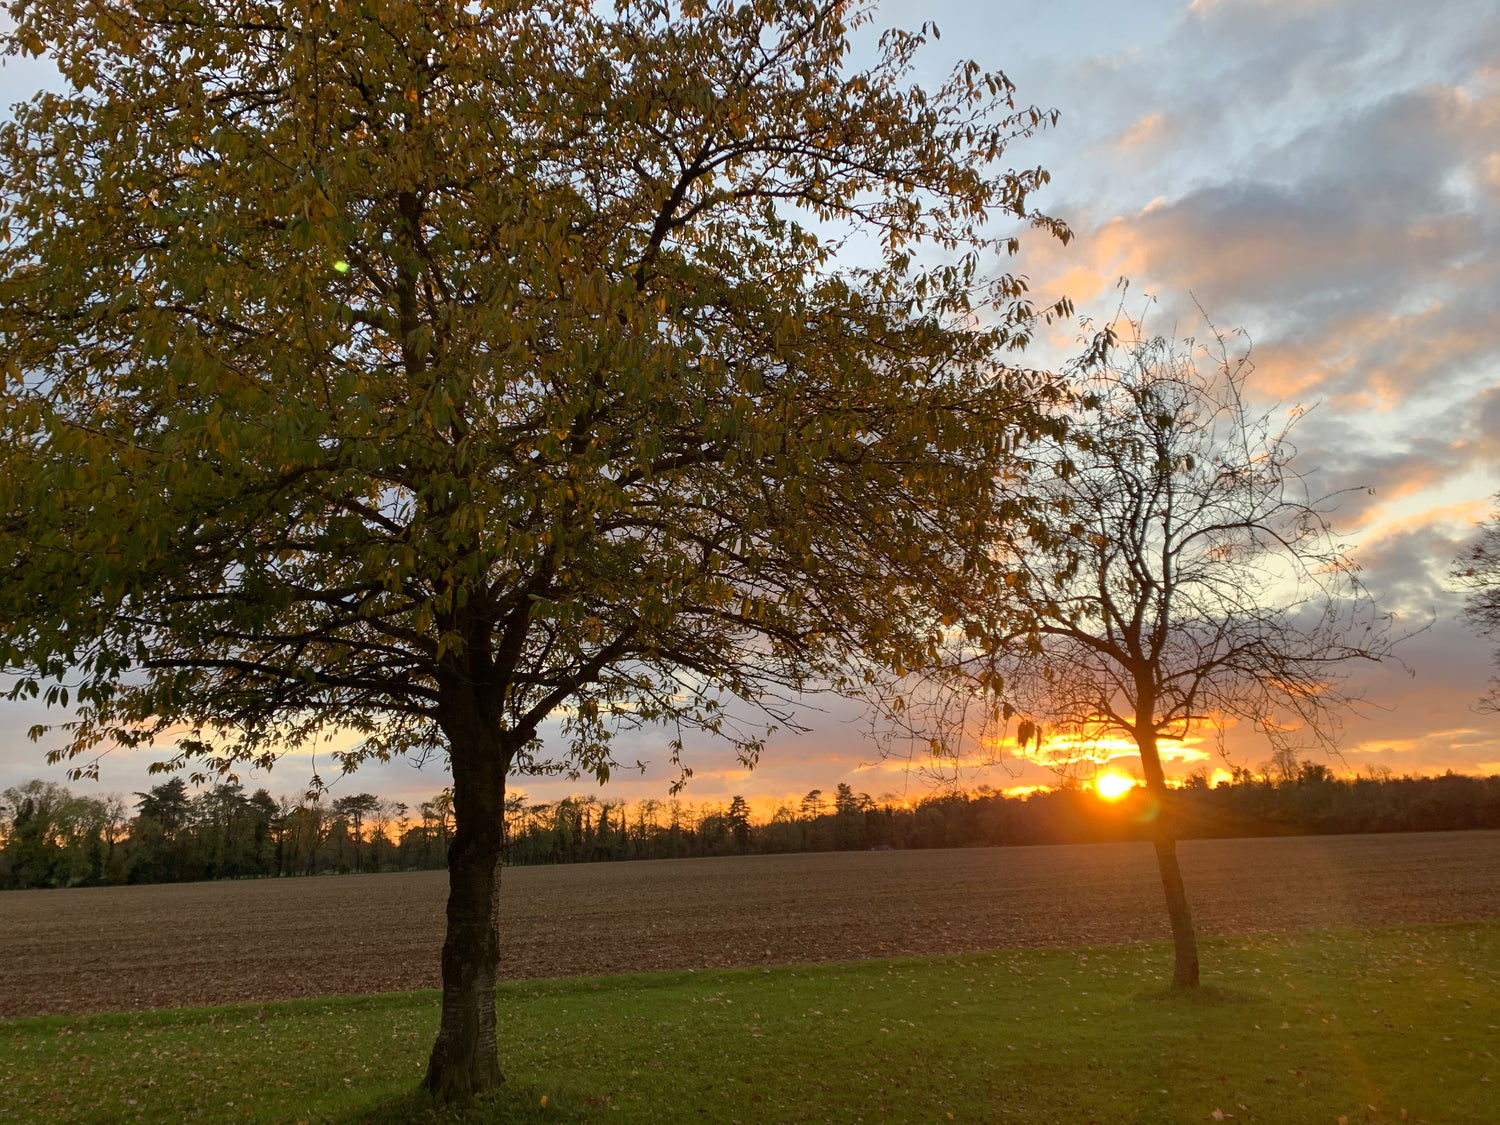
{"x":1326,"y":176}
{"x":1408,"y":569}
{"x":1368,"y":473}
{"x":1357,"y":217}
{"x":1236,"y":79}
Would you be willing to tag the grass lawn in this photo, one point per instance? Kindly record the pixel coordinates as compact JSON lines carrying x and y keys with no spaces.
{"x":1384,"y":1025}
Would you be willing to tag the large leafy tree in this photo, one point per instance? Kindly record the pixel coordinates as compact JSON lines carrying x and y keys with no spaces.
{"x":1179,"y":575}
{"x":427,"y":369}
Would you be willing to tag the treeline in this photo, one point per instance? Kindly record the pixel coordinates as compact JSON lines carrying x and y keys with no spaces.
{"x":50,"y":837}
{"x":1310,"y":800}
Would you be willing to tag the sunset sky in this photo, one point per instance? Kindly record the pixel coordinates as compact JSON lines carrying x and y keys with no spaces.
{"x":1324,"y":174}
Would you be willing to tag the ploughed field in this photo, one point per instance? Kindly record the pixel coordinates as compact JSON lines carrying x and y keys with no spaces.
{"x":113,"y":948}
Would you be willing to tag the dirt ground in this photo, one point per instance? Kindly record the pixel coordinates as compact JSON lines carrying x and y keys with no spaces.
{"x":116,"y":948}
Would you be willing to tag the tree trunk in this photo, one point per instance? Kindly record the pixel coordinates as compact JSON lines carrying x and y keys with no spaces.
{"x":1184,"y":940}
{"x":465,"y":1059}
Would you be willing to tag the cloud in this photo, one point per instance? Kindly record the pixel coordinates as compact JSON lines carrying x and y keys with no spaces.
{"x":1325,"y":175}
{"x":1149,"y":133}
{"x":1358,"y":275}
{"x":1310,"y":166}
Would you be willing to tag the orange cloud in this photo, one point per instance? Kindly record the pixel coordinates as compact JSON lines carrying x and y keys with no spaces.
{"x":1148,"y":131}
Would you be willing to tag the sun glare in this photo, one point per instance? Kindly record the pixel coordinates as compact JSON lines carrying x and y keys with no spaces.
{"x":1113,"y":786}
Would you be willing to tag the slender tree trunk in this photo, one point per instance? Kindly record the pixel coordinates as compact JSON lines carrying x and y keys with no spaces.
{"x":465,"y":1059}
{"x":1184,"y":939}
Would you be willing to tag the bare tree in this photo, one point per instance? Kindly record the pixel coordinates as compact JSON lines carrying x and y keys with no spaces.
{"x":114,"y":820}
{"x":1176,"y":574}
{"x":1478,"y":570}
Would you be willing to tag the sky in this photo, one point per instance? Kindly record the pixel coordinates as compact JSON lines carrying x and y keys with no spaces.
{"x":1321,"y":174}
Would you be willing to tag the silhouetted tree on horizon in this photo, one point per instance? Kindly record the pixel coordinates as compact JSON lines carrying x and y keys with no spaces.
{"x":1176,"y":572}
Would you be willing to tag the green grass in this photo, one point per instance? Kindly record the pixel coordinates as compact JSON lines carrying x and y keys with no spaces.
{"x":1289,"y":1029}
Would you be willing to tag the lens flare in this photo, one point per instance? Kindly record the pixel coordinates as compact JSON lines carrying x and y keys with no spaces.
{"x":1113,"y":786}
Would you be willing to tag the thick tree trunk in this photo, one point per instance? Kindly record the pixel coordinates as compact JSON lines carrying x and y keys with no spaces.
{"x":465,"y":1059}
{"x":1184,"y":940}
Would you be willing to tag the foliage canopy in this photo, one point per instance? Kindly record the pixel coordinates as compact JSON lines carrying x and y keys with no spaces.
{"x":357,"y":352}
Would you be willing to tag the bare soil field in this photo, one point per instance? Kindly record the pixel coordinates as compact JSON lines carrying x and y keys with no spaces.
{"x":118,"y":948}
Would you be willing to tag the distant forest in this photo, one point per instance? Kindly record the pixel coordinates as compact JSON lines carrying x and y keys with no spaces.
{"x":50,"y":837}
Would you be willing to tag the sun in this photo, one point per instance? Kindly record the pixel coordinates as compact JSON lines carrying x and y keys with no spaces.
{"x":1113,"y":786}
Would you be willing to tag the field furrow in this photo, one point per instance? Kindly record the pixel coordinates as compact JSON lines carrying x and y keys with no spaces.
{"x":118,"y":948}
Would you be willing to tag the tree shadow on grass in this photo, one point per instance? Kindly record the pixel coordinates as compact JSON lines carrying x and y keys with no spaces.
{"x":510,"y":1105}
{"x":1204,"y":996}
